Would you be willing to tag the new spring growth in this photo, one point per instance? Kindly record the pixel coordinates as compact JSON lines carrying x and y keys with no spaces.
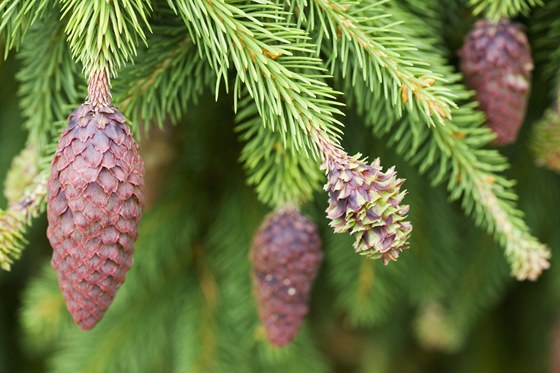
{"x":366,"y":202}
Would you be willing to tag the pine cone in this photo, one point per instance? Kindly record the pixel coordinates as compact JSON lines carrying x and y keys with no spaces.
{"x":366,"y":202}
{"x":496,"y":62}
{"x":286,"y":255}
{"x":95,"y":197}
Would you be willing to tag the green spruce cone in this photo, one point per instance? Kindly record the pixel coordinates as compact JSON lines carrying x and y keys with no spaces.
{"x":365,"y":202}
{"x":496,"y":62}
{"x":286,"y":256}
{"x":95,"y":197}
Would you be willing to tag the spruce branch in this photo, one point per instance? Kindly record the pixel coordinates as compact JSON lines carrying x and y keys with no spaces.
{"x":17,"y":218}
{"x":11,"y":238}
{"x":486,"y":195}
{"x":273,"y":67}
{"x":104,"y":34}
{"x":496,"y":9}
{"x":164,"y":79}
{"x":17,"y":17}
{"x":47,"y":78}
{"x":545,"y":30}
{"x":455,"y":153}
{"x":527,"y":256}
{"x":26,"y":196}
{"x":279,"y":174}
{"x":274,"y":62}
{"x":365,"y":32}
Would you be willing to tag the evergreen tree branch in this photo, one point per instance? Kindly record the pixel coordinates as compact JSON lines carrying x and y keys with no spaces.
{"x":545,"y":27}
{"x":275,"y":64}
{"x":527,"y":256}
{"x":30,"y":201}
{"x":17,"y":218}
{"x":164,"y":79}
{"x":17,"y":17}
{"x":48,"y":84}
{"x":48,"y":79}
{"x":104,"y":35}
{"x":496,"y":9}
{"x":273,"y":60}
{"x":365,"y":32}
{"x":455,"y":153}
{"x":279,"y":174}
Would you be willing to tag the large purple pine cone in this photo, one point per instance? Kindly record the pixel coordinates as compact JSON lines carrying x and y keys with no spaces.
{"x":95,"y":198}
{"x":496,"y":62}
{"x":286,"y":256}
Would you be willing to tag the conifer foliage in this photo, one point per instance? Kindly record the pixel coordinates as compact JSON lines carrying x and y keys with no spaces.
{"x":297,"y":155}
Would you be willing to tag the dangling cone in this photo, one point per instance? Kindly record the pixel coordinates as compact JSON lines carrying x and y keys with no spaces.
{"x":95,"y":199}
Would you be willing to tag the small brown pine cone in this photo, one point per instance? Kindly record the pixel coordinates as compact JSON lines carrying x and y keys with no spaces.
{"x":286,"y":256}
{"x":95,"y":198}
{"x":496,"y":62}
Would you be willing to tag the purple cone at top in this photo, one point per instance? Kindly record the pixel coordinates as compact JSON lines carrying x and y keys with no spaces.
{"x":286,"y":256}
{"x":95,"y":197}
{"x":496,"y":62}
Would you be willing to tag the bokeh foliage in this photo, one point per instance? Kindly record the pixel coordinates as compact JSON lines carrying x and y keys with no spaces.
{"x":448,"y":304}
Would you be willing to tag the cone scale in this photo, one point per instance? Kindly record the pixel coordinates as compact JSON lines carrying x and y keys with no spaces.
{"x":94,"y":204}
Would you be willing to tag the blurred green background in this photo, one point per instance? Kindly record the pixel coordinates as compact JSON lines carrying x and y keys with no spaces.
{"x":448,"y":305}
